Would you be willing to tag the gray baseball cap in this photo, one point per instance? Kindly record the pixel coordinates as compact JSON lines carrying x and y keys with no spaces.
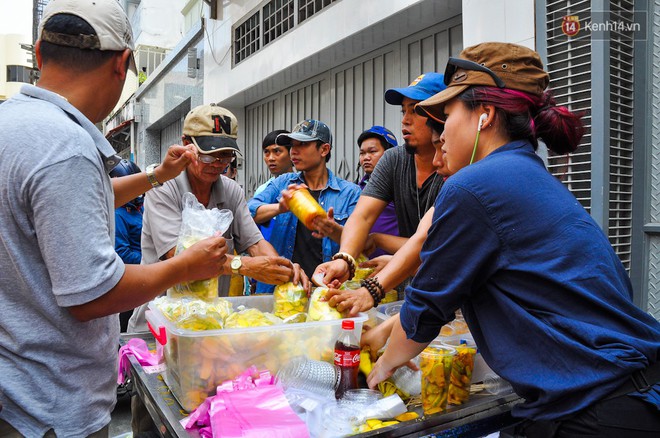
{"x":107,"y":18}
{"x":307,"y":130}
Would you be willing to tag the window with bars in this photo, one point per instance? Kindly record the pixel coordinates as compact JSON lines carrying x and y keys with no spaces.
{"x":307,"y":8}
{"x":272,"y":19}
{"x":278,"y":18}
{"x":19,"y":73}
{"x":247,"y":38}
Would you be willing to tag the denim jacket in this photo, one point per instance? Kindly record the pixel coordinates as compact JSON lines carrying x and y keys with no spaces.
{"x":339,"y":194}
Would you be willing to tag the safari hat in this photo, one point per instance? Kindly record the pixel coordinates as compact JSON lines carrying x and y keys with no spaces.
{"x":502,"y":65}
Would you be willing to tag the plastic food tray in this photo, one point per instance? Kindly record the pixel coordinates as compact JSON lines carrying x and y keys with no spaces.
{"x":198,"y":361}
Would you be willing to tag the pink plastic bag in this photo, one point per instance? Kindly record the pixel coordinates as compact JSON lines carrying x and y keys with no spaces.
{"x":247,"y":408}
{"x":138,"y":348}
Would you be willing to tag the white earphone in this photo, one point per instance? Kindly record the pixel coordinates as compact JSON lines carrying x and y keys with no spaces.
{"x":482,"y":119}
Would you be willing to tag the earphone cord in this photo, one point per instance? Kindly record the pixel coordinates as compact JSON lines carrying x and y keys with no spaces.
{"x":474,"y":150}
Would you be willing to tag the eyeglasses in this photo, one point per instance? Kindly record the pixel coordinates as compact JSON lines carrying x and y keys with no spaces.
{"x":454,"y":64}
{"x":209,"y":159}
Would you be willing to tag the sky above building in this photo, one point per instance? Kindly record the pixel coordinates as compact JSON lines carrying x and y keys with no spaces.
{"x":16,"y":17}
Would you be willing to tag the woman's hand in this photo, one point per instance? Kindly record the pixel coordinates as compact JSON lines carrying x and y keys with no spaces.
{"x":376,"y":338}
{"x":378,"y":263}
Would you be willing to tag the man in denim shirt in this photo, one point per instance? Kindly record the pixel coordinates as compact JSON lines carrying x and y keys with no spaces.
{"x":311,"y":143}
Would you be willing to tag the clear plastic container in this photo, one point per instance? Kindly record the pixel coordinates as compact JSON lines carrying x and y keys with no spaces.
{"x":435,"y":362}
{"x":337,"y":419}
{"x":362,"y":396}
{"x":494,"y":384}
{"x":310,"y":375}
{"x":461,"y":370}
{"x":408,"y":380}
{"x":198,"y":361}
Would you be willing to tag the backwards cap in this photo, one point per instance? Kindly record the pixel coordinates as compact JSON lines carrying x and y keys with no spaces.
{"x":106,"y":17}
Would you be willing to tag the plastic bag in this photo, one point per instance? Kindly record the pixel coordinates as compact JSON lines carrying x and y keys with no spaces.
{"x":198,"y":223}
{"x":251,"y":318}
{"x":321,"y":310}
{"x":289,"y":299}
{"x":195,"y":314}
{"x":247,"y":407}
{"x":135,"y":347}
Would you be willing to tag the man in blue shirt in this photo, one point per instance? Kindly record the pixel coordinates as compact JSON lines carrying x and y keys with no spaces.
{"x":128,"y":228}
{"x":278,"y":159}
{"x":311,"y":144}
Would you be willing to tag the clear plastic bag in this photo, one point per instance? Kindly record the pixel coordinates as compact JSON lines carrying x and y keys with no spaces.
{"x":195,"y":314}
{"x":289,"y":299}
{"x":321,"y":310}
{"x":198,"y":223}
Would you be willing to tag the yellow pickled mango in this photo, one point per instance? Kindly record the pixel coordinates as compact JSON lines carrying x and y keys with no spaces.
{"x":407,"y":416}
{"x":321,"y":310}
{"x":389,"y":423}
{"x":373,"y":422}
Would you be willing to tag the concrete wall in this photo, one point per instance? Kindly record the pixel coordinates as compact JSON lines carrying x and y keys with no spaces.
{"x":510,"y":21}
{"x":337,"y":22}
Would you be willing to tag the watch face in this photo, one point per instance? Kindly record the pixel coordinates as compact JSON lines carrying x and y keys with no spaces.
{"x":235,"y":263}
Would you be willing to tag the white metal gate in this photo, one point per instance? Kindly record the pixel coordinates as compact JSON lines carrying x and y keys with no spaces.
{"x":350,"y":98}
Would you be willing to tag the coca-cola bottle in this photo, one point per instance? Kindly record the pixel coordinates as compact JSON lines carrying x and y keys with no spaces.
{"x":347,"y":358}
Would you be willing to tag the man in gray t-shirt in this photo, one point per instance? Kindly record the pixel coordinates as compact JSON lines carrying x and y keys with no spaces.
{"x":62,"y":283}
{"x":405,"y":175}
{"x":213,"y":131}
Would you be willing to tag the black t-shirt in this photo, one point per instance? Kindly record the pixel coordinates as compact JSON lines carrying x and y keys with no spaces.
{"x":395,"y":179}
{"x":307,"y":249}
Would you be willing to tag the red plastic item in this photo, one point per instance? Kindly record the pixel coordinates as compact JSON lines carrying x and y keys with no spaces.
{"x":347,"y":358}
{"x":161,"y":336}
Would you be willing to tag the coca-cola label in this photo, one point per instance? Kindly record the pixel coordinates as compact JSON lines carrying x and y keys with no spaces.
{"x":350,"y":358}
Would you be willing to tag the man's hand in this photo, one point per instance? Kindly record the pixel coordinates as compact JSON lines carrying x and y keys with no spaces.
{"x":378,"y":263}
{"x":268,"y":269}
{"x":350,"y":302}
{"x":287,"y":194}
{"x":206,"y":258}
{"x":332,"y":273}
{"x":299,"y":277}
{"x":327,"y":227}
{"x":175,"y":161}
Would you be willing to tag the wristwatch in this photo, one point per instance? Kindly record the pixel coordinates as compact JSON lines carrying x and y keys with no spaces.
{"x":151,"y":177}
{"x":236,"y":264}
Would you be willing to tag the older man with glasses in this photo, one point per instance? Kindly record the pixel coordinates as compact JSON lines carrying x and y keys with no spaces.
{"x":213,"y":130}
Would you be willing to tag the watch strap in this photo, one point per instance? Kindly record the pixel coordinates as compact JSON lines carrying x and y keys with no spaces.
{"x":236,"y":261}
{"x":151,"y":176}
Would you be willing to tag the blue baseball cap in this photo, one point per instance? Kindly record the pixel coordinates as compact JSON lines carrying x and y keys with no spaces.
{"x":423,"y":87}
{"x":381,"y":133}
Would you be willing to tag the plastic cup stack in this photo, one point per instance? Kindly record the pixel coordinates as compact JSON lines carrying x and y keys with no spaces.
{"x":310,"y":375}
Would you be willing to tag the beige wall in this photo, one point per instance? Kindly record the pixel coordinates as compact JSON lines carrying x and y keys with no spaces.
{"x":11,"y":54}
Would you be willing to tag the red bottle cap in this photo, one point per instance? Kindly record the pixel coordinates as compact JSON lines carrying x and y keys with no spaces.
{"x":348,"y":324}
